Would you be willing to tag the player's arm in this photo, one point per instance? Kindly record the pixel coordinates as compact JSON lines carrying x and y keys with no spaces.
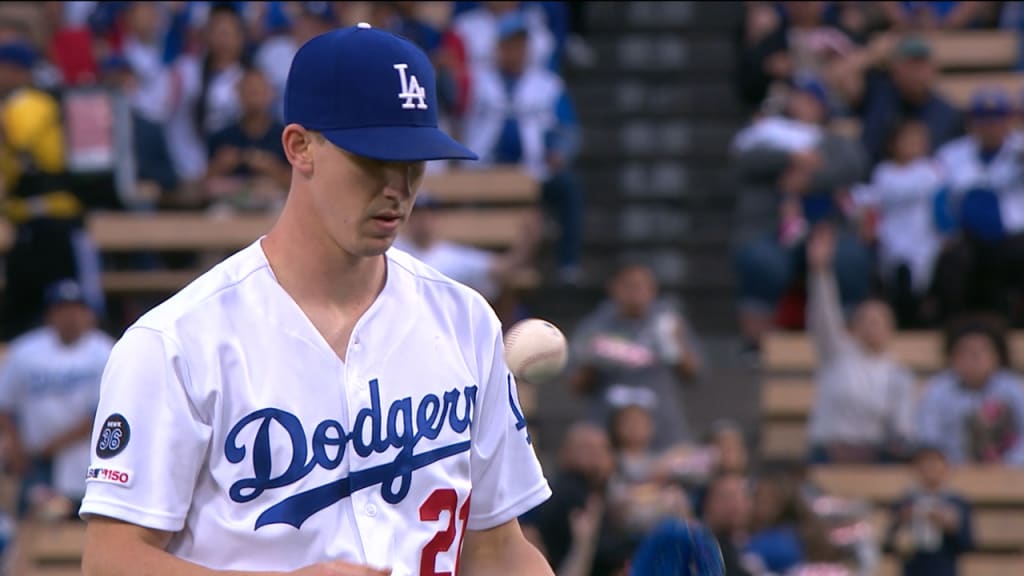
{"x":115,"y":548}
{"x":507,"y":477}
{"x":501,"y":550}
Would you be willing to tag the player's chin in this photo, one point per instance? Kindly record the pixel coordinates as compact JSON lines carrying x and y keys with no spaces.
{"x":375,"y":245}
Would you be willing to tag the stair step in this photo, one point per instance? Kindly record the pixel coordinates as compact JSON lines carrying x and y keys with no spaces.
{"x":664,"y":55}
{"x":651,"y":139}
{"x":638,"y":180}
{"x":705,"y":17}
{"x":596,"y":100}
{"x":657,"y":224}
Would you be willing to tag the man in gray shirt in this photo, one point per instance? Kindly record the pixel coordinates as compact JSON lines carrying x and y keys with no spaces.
{"x":635,"y":349}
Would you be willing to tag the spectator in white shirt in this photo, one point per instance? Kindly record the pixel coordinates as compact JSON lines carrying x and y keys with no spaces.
{"x":983,"y":170}
{"x":864,"y":400}
{"x":49,"y":389}
{"x":903,"y":192}
{"x":143,"y":49}
{"x":206,"y":86}
{"x":478,"y":29}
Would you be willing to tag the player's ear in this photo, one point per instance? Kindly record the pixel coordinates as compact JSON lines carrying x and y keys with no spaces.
{"x":298,"y":147}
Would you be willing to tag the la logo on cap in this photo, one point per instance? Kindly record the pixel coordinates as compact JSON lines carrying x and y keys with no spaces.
{"x":411,"y":90}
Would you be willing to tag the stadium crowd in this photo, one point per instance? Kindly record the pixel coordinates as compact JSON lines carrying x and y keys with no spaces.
{"x":867,"y":204}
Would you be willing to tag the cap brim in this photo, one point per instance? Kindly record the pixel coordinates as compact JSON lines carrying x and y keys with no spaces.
{"x":400,"y":143}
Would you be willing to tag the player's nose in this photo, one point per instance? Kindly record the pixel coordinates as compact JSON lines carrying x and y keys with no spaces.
{"x":403,"y":178}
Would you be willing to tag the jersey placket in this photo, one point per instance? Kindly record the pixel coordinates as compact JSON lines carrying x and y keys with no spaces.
{"x":367,"y":507}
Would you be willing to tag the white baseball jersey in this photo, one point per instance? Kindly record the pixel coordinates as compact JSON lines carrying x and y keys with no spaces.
{"x":50,"y":388}
{"x":226,"y":418}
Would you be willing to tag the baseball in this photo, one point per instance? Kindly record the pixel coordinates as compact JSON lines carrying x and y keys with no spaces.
{"x":535,"y":350}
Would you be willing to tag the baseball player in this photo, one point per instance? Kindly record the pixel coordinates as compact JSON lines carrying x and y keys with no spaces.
{"x":320,"y":403}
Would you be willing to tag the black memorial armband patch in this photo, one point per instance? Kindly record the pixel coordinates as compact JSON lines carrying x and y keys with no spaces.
{"x":114,"y":436}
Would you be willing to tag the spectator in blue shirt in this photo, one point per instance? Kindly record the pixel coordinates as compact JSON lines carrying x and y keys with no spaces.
{"x":775,"y":539}
{"x":247,"y":155}
{"x":931,"y":524}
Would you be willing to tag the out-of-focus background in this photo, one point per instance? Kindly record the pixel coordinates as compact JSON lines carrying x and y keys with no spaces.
{"x":785,"y":240}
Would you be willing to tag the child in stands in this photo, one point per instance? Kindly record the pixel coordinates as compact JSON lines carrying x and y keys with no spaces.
{"x":931,"y":524}
{"x":903,"y":193}
{"x":974,"y":410}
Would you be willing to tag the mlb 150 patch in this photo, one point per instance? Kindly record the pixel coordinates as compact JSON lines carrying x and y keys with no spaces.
{"x":114,"y":436}
{"x":109,"y":476}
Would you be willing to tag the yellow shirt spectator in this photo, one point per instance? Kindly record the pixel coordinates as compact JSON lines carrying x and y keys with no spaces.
{"x":32,"y":156}
{"x":33,"y":137}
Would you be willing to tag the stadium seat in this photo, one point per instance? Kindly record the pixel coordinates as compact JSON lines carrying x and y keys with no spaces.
{"x":784,"y":441}
{"x":787,"y":398}
{"x":995,"y":531}
{"x":792,"y":397}
{"x":975,"y":49}
{"x":483,"y":208}
{"x":794,"y":351}
{"x":971,"y":565}
{"x":48,"y":548}
{"x":787,"y":385}
{"x":958,"y":88}
{"x":984,"y":486}
{"x":996,"y":494}
{"x":490,"y":186}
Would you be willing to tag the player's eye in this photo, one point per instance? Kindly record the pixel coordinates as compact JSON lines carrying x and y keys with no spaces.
{"x":416,"y":170}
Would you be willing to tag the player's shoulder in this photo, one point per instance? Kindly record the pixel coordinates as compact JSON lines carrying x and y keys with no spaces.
{"x":207,"y":293}
{"x":435,"y":286}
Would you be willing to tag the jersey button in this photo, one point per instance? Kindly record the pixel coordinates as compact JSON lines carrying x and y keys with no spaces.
{"x":371,"y":510}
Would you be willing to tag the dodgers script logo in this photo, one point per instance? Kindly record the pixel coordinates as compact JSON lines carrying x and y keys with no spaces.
{"x":411,"y":89}
{"x":403,"y":428}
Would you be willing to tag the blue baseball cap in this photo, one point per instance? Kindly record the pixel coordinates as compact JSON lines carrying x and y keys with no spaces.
{"x":810,"y":84}
{"x":512,"y":24}
{"x":990,"y":103}
{"x":679,"y":548}
{"x":65,"y":292}
{"x":369,"y":92}
{"x":18,"y":53}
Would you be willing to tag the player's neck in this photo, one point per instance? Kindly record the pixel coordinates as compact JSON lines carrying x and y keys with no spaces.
{"x":312,"y":268}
